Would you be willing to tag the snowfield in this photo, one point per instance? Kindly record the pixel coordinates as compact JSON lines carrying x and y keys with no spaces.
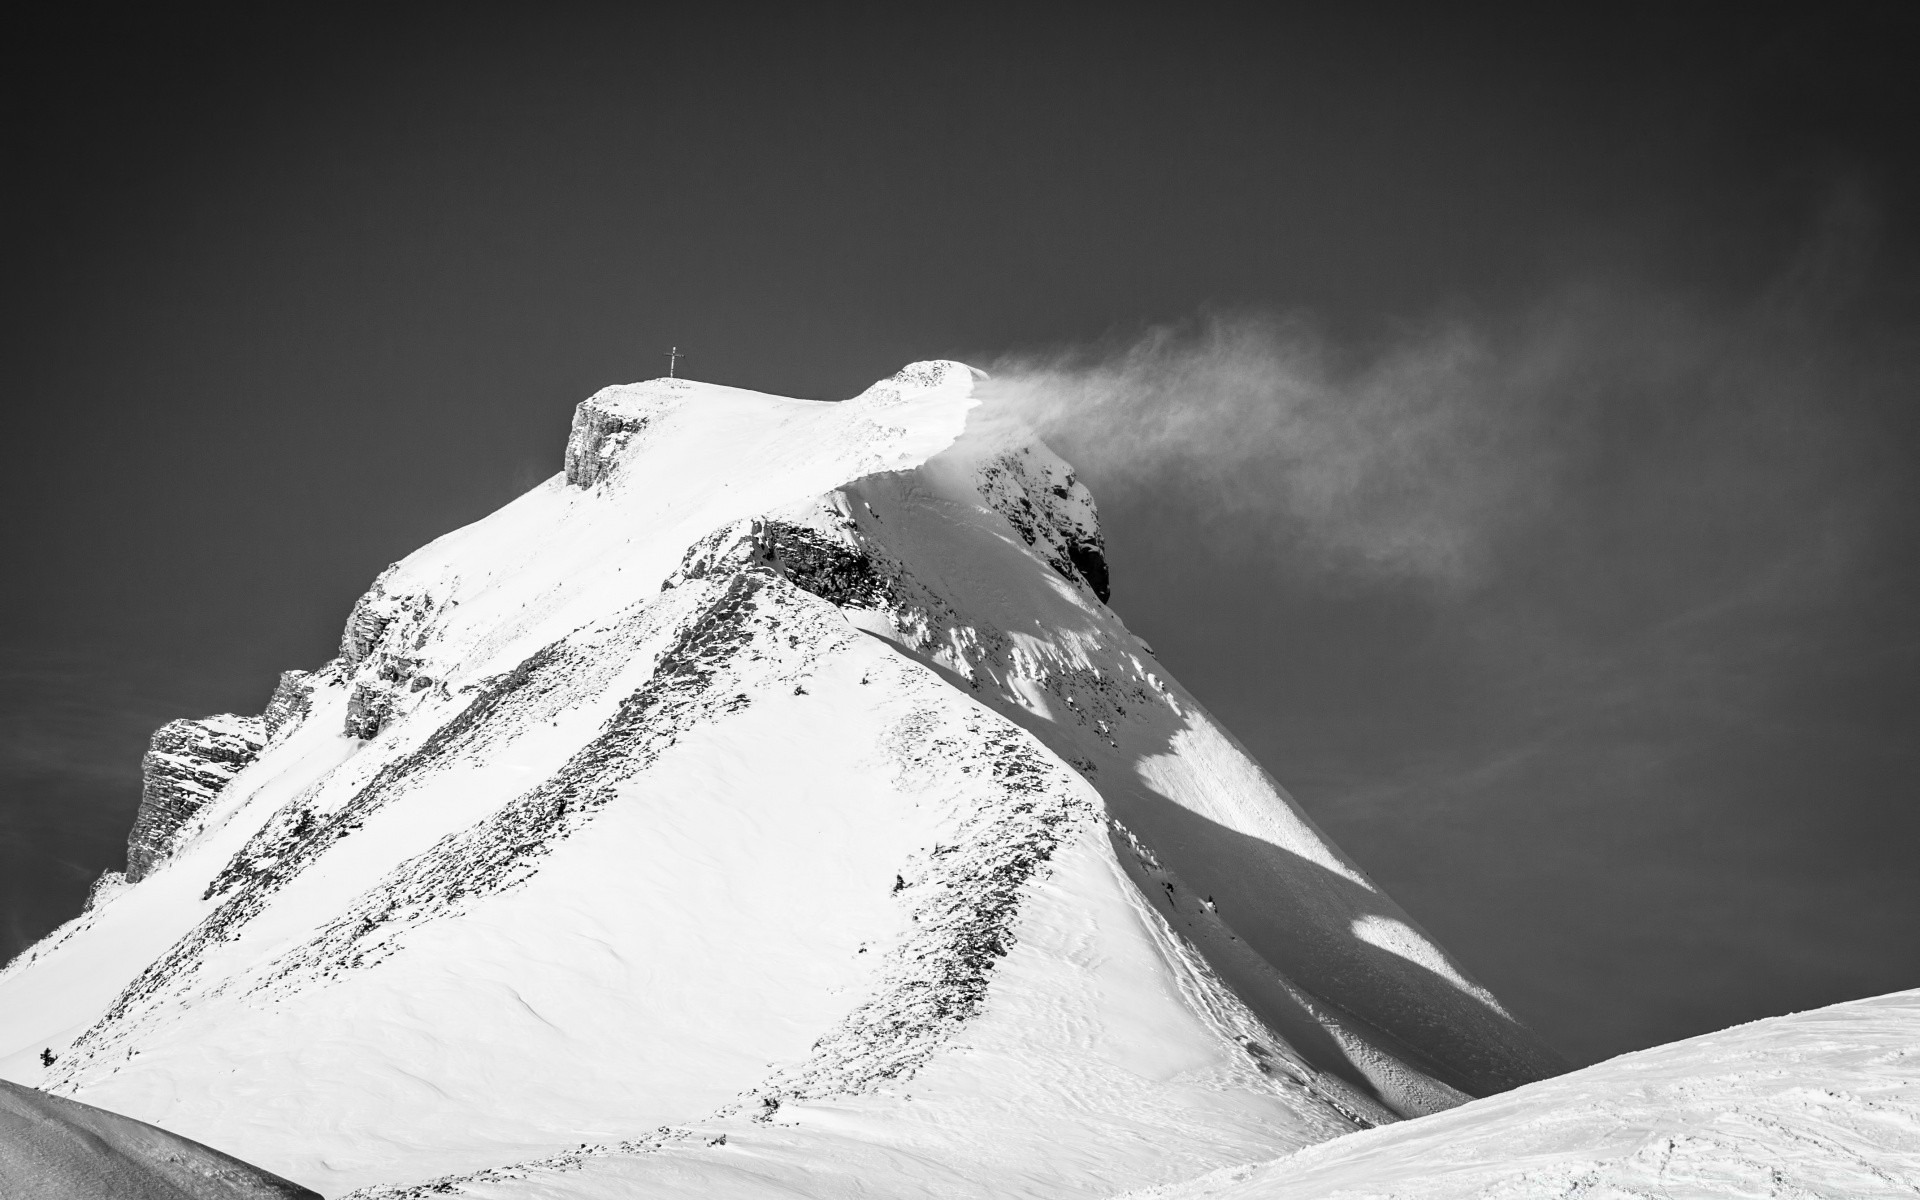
{"x":768,"y":805}
{"x":1821,"y":1105}
{"x":56,"y":1149}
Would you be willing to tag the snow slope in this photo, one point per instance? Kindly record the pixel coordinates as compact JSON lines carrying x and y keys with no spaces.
{"x":766,"y":805}
{"x":56,"y":1149}
{"x":1821,"y":1105}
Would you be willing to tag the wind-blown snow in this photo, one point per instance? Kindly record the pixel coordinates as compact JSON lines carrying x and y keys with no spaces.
{"x":767,"y":804}
{"x":1821,"y":1105}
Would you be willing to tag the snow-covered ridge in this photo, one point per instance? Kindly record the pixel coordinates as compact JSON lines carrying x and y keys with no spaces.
{"x":768,"y":800}
{"x":1823,"y":1105}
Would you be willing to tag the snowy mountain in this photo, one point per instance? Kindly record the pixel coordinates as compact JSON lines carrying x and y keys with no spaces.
{"x":1821,"y":1105}
{"x":768,"y":804}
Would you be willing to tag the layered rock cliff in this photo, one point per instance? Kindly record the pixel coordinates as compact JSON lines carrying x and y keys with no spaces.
{"x":189,"y":763}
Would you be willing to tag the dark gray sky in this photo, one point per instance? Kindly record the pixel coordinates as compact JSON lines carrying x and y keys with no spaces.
{"x":1541,"y":504}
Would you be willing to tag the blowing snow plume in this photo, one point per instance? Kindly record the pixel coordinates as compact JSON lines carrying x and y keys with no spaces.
{"x":1401,"y":464}
{"x":1416,"y":456}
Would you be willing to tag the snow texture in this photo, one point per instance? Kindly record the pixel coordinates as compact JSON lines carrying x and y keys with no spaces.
{"x":1820,"y":1105}
{"x":57,"y":1149}
{"x":768,"y":804}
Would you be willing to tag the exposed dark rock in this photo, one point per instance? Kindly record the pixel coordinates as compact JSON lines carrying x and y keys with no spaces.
{"x":379,"y":652}
{"x":368,"y":620}
{"x":597,"y":436}
{"x":369,"y":708}
{"x":190,"y":761}
{"x":292,"y":700}
{"x":103,"y":887}
{"x":835,"y":569}
{"x":816,"y":563}
{"x":1090,"y":559}
{"x":1052,"y":511}
{"x":607,"y":421}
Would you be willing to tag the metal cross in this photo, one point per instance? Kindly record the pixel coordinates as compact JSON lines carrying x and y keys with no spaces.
{"x":673,"y":361}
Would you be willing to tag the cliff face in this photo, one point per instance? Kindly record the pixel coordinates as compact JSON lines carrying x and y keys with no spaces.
{"x":191,"y":761}
{"x":289,"y":705}
{"x":606,"y":422}
{"x":188,"y":764}
{"x":382,"y":656}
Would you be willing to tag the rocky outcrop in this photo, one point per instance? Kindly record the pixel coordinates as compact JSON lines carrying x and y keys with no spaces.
{"x":104,"y":888}
{"x":369,"y":708}
{"x":608,"y":421}
{"x":1051,"y":510}
{"x":380,"y":650}
{"x":188,"y":764}
{"x":292,"y":700}
{"x":828,"y":563}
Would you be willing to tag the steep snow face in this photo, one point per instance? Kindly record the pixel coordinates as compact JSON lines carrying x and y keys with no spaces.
{"x":1821,"y":1105}
{"x":769,"y":801}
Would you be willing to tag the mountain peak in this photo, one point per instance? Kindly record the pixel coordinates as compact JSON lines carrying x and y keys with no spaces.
{"x":775,"y":777}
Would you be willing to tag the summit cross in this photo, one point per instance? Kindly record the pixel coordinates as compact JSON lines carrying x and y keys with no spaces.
{"x":673,"y":361}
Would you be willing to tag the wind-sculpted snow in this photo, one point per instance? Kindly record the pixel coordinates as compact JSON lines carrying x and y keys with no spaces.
{"x":1821,"y":1105}
{"x":768,"y":804}
{"x":55,"y":1149}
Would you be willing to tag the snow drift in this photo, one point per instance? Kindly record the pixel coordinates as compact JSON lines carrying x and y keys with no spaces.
{"x":767,"y":804}
{"x":55,"y":1149}
{"x":1821,"y":1105}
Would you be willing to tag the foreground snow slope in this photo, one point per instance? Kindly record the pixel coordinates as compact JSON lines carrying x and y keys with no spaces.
{"x":1820,"y":1105}
{"x":767,"y":805}
{"x":57,"y":1149}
